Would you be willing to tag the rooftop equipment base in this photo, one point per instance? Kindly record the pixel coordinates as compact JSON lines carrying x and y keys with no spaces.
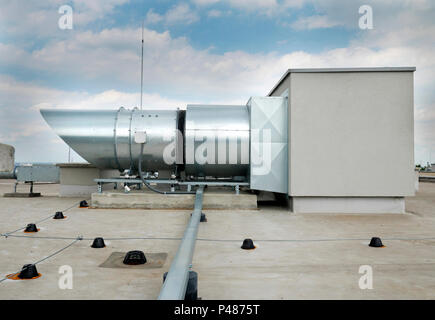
{"x":22,"y":195}
{"x":219,"y":199}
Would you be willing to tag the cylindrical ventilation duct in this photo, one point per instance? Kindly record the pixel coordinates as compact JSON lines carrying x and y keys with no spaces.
{"x":203,"y":140}
{"x":106,"y":138}
{"x":217,"y":140}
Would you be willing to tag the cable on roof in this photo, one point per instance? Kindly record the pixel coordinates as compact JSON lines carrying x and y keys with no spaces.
{"x":79,"y":238}
{"x":111,"y":239}
{"x":39,"y":221}
{"x":224,"y":240}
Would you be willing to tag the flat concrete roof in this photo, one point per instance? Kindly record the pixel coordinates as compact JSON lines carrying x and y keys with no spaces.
{"x":333,"y":70}
{"x":297,"y":256}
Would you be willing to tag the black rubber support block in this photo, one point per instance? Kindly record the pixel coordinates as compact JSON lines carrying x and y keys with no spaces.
{"x":59,"y":215}
{"x":135,"y":257}
{"x":28,"y":272}
{"x":31,"y":227}
{"x":203,"y":217}
{"x":98,"y":243}
{"x":192,"y":286}
{"x":84,"y":204}
{"x":376,"y":242}
{"x":248,"y":244}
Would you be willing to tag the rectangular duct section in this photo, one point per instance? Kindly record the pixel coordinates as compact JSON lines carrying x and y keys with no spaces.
{"x":269,"y":143}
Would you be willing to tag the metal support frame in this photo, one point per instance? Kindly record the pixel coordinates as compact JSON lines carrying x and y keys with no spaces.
{"x":189,"y":184}
{"x":175,"y":285}
{"x":30,"y":187}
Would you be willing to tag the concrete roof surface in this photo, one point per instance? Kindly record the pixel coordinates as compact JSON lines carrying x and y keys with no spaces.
{"x":298,"y":256}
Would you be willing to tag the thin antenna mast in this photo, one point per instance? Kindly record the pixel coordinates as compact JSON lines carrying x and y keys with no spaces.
{"x":141,"y":71}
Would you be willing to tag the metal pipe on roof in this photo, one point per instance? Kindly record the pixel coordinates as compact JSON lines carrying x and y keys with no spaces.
{"x":175,"y":285}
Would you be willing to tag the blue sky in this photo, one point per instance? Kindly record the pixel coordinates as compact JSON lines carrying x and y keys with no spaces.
{"x":196,"y":51}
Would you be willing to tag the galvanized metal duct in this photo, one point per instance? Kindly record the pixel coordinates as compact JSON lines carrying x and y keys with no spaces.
{"x":106,"y":138}
{"x":227,"y":132}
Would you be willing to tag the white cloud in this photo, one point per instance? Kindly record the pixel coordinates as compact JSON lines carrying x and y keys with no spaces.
{"x":314,"y":22}
{"x":214,"y":13}
{"x":205,"y":2}
{"x":178,"y":14}
{"x":39,"y":19}
{"x":181,"y":13}
{"x":86,"y":11}
{"x":294,"y":3}
{"x":425,"y":114}
{"x":253,"y":4}
{"x":152,"y":17}
{"x":262,"y":7}
{"x":248,"y":4}
{"x":18,"y":96}
{"x":172,"y":63}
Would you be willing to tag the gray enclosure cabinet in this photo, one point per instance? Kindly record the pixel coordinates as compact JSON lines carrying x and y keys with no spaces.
{"x":350,"y":138}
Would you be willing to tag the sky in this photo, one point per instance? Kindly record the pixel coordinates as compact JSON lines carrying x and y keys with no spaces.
{"x":197,"y":51}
